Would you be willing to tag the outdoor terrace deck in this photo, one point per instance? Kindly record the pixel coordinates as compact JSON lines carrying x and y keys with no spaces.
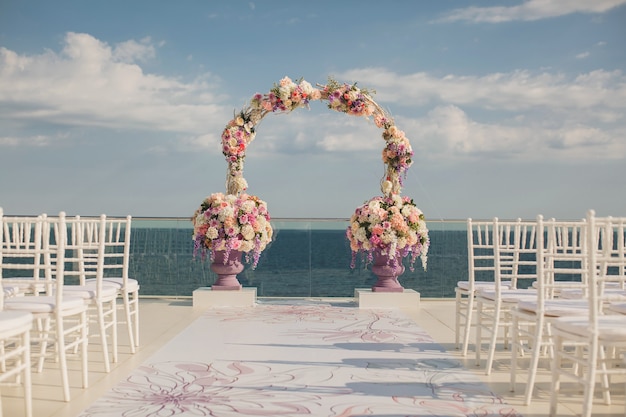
{"x":164,"y":318}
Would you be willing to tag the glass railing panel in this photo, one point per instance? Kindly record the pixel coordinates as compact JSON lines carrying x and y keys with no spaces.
{"x":308,"y":258}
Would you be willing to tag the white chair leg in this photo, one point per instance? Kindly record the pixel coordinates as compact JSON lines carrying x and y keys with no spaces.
{"x":536,"y":350}
{"x":136,"y":317}
{"x":468,"y":323}
{"x":556,"y":377}
{"x":129,"y":322}
{"x":492,"y":342}
{"x":103,"y":337}
{"x":84,"y":333}
{"x":61,"y":354}
{"x":457,"y":314}
{"x":43,"y":333}
{"x":28,"y":385}
{"x":479,"y":321}
{"x":113,"y":309}
{"x":514,"y":352}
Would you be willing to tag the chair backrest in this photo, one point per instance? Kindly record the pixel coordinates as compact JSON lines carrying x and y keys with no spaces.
{"x":22,"y":262}
{"x":480,"y":251}
{"x":518,"y":251}
{"x":606,"y":260}
{"x":84,"y":248}
{"x":117,"y":247}
{"x":54,"y":240}
{"x":612,"y":231}
{"x":562,"y":257}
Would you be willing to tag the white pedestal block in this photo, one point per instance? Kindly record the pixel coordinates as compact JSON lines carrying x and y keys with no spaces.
{"x":205,"y":297}
{"x":408,"y":299}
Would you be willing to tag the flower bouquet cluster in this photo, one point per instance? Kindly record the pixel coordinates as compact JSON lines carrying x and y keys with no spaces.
{"x":397,"y":157}
{"x":286,"y":96}
{"x":226,"y":222}
{"x":391,"y":224}
{"x":239,"y":132}
{"x":348,"y":99}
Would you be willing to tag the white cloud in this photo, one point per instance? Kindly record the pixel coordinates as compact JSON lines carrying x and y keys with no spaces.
{"x":513,"y":91}
{"x":514,"y":114}
{"x":131,"y":51}
{"x":448,"y":133}
{"x":530,"y":10}
{"x":91,"y":83}
{"x":525,"y":115}
{"x":582,"y":55}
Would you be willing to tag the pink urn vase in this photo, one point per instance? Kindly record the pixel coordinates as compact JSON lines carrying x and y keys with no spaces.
{"x":227,"y":271}
{"x":387,"y":270}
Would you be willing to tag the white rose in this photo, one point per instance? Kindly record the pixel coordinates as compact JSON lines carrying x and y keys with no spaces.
{"x":246,"y":246}
{"x":242,"y":184}
{"x":224,"y":213}
{"x":248,"y":232}
{"x":212,"y":233}
{"x":387,"y":186}
{"x":306,"y":87}
{"x":284,"y":92}
{"x":247,"y":206}
{"x":374,"y":205}
{"x":387,"y":237}
{"x":361,"y":234}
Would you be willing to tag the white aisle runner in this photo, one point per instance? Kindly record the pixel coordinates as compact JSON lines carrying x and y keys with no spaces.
{"x":300,"y":360}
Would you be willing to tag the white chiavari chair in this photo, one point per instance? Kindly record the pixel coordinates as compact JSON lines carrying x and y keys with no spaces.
{"x":561,"y":252}
{"x":116,"y":272}
{"x":514,"y":248}
{"x":85,"y":260}
{"x":481,"y":273}
{"x":61,"y":323}
{"x":585,"y":346}
{"x":15,"y":327}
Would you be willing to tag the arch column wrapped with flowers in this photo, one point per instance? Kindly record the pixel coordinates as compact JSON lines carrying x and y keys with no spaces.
{"x":389,"y":227}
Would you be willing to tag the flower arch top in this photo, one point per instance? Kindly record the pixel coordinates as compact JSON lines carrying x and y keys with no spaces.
{"x":288,"y":96}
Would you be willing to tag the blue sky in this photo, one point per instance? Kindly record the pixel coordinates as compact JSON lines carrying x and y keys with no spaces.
{"x":513,"y":108}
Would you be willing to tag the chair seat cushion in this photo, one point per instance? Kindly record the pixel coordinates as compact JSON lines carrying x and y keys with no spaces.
{"x":464,"y":285}
{"x":14,"y":322}
{"x":618,"y":307}
{"x":609,"y":294}
{"x":561,"y":285}
{"x":11,"y":290}
{"x":611,"y":327}
{"x":132,"y":285}
{"x":89,"y":291}
{"x":508,"y":296}
{"x":43,"y":304}
{"x":27,"y":286}
{"x":556,"y":308}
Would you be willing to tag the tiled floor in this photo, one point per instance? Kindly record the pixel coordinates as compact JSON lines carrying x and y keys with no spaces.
{"x":162,"y":319}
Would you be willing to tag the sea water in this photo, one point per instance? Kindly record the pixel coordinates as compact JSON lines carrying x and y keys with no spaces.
{"x":304,"y":260}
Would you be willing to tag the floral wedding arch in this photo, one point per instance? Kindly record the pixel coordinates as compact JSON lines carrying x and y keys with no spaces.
{"x":237,"y":221}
